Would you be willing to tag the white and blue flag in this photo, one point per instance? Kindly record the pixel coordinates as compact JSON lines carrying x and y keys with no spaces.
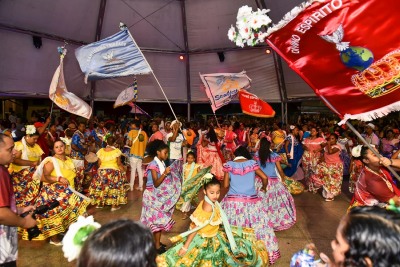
{"x":114,"y":56}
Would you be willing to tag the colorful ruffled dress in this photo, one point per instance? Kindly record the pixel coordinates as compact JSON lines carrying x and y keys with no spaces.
{"x":278,"y":200}
{"x":211,"y":245}
{"x":109,"y":187}
{"x":210,"y":155}
{"x":245,"y":208}
{"x":310,"y":161}
{"x":192,"y":182}
{"x":330,"y":172}
{"x":72,"y":203}
{"x":22,"y":175}
{"x":158,"y":203}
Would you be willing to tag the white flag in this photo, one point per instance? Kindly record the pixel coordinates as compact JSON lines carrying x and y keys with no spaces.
{"x":221,"y":88}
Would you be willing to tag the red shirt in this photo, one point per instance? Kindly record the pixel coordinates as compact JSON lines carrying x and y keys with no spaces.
{"x":7,"y":198}
{"x":8,"y":234}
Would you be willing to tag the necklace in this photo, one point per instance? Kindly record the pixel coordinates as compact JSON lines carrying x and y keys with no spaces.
{"x":60,"y":158}
{"x":382,"y":175}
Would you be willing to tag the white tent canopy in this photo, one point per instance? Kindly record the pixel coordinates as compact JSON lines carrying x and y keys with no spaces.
{"x":163,"y":29}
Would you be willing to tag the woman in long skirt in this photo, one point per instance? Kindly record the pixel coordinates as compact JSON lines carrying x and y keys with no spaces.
{"x":279,"y":201}
{"x":109,"y":187}
{"x":330,"y":170}
{"x":242,"y":205}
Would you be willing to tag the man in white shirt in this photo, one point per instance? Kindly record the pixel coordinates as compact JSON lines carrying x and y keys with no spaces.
{"x":175,"y":141}
{"x":370,"y":136}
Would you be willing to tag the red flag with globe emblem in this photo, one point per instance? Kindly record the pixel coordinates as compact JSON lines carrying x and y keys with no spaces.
{"x":348,"y":51}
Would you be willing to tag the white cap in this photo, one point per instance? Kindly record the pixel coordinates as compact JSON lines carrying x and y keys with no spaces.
{"x":370,"y":125}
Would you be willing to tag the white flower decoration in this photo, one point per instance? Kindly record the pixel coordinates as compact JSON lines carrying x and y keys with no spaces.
{"x":356,"y":151}
{"x":248,"y":27}
{"x":30,"y":129}
{"x":77,"y":233}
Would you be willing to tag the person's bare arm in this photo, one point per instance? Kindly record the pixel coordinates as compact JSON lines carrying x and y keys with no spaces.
{"x":264,"y":178}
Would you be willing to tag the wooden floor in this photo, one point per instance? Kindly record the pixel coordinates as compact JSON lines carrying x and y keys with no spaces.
{"x":317,"y":221}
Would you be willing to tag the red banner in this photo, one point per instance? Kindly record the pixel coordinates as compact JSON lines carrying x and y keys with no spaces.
{"x":348,"y":51}
{"x":254,"y":106}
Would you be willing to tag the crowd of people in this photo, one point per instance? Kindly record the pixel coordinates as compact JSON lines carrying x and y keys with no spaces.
{"x":81,"y":164}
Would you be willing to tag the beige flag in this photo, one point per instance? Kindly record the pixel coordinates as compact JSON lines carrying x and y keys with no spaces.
{"x":68,"y":101}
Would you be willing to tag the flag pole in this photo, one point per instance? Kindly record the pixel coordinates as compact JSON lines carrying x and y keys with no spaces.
{"x":354,"y":130}
{"x":123,"y":26}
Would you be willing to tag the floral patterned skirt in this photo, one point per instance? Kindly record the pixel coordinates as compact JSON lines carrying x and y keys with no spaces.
{"x":279,"y":203}
{"x":58,"y":219}
{"x":309,"y":164}
{"x":215,"y":251}
{"x":250,"y":212}
{"x":22,"y":184}
{"x":109,"y":187}
{"x":332,"y":176}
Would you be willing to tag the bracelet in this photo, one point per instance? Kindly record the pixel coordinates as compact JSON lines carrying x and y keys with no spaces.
{"x":184,"y":249}
{"x":391,"y":161}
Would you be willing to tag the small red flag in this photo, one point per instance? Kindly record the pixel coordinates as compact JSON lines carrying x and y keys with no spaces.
{"x":252,"y":105}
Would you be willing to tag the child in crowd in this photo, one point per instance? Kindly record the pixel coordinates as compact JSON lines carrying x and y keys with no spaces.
{"x":162,"y":191}
{"x":206,"y":245}
{"x":190,"y":185}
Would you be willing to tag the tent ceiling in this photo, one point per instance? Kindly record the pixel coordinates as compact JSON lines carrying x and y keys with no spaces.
{"x":157,"y":27}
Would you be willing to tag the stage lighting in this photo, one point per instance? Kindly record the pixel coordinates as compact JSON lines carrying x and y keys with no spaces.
{"x":181,"y":57}
{"x":267,"y":51}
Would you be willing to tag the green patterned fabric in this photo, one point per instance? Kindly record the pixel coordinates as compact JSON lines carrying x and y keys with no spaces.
{"x":215,"y":251}
{"x":191,"y":187}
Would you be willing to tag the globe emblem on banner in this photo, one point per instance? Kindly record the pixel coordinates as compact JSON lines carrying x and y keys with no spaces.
{"x":357,"y":57}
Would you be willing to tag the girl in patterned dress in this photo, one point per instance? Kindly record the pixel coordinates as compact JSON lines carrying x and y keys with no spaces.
{"x":163,"y":189}
{"x":209,"y":153}
{"x":109,"y":186}
{"x":277,"y":199}
{"x":242,"y":204}
{"x":190,"y":185}
{"x":208,"y":244}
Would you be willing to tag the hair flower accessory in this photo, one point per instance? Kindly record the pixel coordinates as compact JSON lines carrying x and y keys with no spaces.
{"x":66,"y":140}
{"x":248,"y":25}
{"x":30,"y":129}
{"x":356,"y":151}
{"x":77,"y":233}
{"x":207,"y":177}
